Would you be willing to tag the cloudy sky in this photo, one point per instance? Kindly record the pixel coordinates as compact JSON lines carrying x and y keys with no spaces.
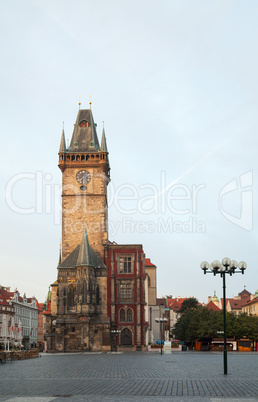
{"x":176,"y":84}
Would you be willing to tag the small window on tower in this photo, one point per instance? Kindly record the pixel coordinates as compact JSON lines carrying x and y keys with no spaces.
{"x":84,"y":123}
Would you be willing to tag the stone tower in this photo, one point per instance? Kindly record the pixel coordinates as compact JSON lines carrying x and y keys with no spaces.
{"x":85,"y":176}
{"x":80,"y":320}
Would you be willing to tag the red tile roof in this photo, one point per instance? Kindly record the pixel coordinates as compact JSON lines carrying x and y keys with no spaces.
{"x":3,"y":298}
{"x":212,"y":306}
{"x":148,"y":263}
{"x":255,"y":300}
{"x":175,"y":304}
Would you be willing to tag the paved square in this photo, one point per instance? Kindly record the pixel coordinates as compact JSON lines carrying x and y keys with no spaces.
{"x":137,"y":376}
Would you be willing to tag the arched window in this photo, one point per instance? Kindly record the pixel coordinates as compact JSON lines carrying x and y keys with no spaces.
{"x":82,"y":158}
{"x":71,"y":292}
{"x":122,"y":315}
{"x":78,"y":157}
{"x":84,"y":123}
{"x":129,"y":315}
{"x":68,"y":157}
{"x":73,"y":157}
{"x":90,"y":291}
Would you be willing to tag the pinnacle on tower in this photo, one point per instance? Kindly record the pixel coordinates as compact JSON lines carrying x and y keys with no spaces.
{"x":103,"y":147}
{"x":62,"y":143}
{"x":85,"y":257}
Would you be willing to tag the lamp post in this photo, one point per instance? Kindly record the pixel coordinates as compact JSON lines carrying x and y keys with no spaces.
{"x":161,"y":321}
{"x":116,"y":332}
{"x":225,"y":267}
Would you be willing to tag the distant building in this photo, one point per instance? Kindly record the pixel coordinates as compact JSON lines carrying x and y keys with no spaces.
{"x":251,"y":307}
{"x":235,"y":304}
{"x":25,"y":318}
{"x":40,"y":340}
{"x":151,"y":293}
{"x":6,"y":319}
{"x":174,"y":305}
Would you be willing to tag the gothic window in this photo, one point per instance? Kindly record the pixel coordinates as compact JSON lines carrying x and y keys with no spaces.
{"x":129,"y":315}
{"x":90,"y":291}
{"x":84,"y":293}
{"x":71,"y":292}
{"x":84,"y":123}
{"x":97,"y":296}
{"x":122,"y":315}
{"x":73,"y":157}
{"x":125,"y":265}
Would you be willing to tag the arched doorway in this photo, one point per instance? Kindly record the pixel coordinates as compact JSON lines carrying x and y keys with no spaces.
{"x":126,"y":337}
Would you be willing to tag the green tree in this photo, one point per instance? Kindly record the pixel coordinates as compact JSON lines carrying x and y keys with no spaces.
{"x":189,"y":304}
{"x":200,"y":322}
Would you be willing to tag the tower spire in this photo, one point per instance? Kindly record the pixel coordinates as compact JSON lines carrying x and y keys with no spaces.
{"x":85,"y":257}
{"x":62,"y":143}
{"x":60,"y":254}
{"x":103,"y":147}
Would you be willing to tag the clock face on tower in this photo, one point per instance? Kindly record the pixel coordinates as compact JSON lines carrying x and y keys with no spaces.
{"x":83,"y":177}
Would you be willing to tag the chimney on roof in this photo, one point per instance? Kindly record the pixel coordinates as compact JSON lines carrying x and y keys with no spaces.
{"x":7,"y":289}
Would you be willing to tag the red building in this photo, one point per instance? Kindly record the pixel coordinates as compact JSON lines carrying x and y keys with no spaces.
{"x":126,"y":295}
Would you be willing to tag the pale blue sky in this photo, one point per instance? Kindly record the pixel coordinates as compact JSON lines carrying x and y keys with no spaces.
{"x":176,"y":84}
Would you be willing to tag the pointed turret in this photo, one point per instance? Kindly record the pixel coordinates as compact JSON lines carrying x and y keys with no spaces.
{"x":85,"y":257}
{"x":62,"y":143}
{"x":60,"y":256}
{"x":103,"y":147}
{"x":84,"y":137}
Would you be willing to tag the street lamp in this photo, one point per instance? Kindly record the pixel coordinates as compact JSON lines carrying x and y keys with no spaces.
{"x":116,"y":332}
{"x":225,"y":267}
{"x":161,"y":321}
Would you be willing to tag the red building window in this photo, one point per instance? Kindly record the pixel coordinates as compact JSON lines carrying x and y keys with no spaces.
{"x":125,"y":290}
{"x":122,"y":315}
{"x":125,"y":265}
{"x":129,"y":315}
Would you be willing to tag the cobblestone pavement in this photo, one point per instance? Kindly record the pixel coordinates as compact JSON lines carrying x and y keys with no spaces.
{"x":135,"y":376}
